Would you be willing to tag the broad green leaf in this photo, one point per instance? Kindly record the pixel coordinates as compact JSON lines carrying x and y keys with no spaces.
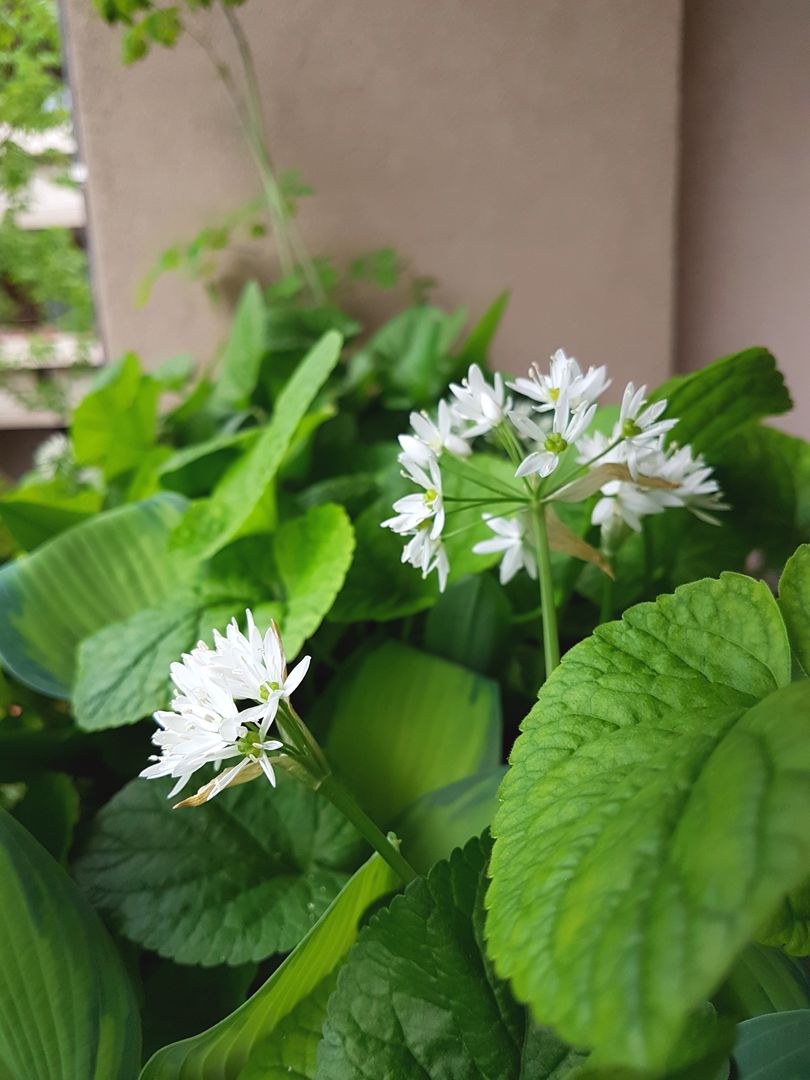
{"x":789,"y":927}
{"x":765,"y":475}
{"x":378,"y":586}
{"x":404,"y":723}
{"x":774,"y":1047}
{"x":221,"y":1052}
{"x":713,"y":403}
{"x":176,"y":372}
{"x":313,"y":554}
{"x":475,"y":348}
{"x":794,"y":600}
{"x":209,"y":525}
{"x":122,"y":671}
{"x":49,"y":810}
{"x":33,"y":513}
{"x":66,"y":1006}
{"x":436,"y":823}
{"x":243,"y":352}
{"x":417,"y":998}
{"x":290,"y":1051}
{"x":762,"y":980}
{"x":99,"y":572}
{"x":235,"y":880}
{"x":117,"y":421}
{"x":633,"y":861}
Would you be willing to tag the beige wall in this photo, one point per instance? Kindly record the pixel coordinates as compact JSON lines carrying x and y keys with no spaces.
{"x":745,"y":193}
{"x":530,"y":144}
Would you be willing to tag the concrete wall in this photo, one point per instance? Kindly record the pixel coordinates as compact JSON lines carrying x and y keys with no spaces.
{"x":745,"y":192}
{"x":529,"y":144}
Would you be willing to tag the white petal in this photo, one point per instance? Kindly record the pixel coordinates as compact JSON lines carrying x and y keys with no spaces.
{"x":294,"y":679}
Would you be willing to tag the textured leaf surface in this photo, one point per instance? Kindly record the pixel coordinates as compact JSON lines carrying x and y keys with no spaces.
{"x":221,"y":1052}
{"x":794,"y":600}
{"x":66,"y":1007}
{"x":122,"y":672}
{"x":209,"y":525}
{"x":774,"y":1047}
{"x":404,"y":723}
{"x":417,"y":998}
{"x":313,"y":554}
{"x":653,"y":817}
{"x":97,"y":573}
{"x":237,"y":879}
{"x":713,"y":403}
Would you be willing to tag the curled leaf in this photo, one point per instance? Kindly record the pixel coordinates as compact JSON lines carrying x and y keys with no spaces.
{"x":563,"y":539}
{"x":597,"y":477}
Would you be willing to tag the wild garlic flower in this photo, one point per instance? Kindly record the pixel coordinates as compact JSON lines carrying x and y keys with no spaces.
{"x":512,"y":538}
{"x":566,"y":428}
{"x":639,"y":424}
{"x":413,"y":511}
{"x":427,"y":554}
{"x":430,"y":440}
{"x":480,"y":404}
{"x":564,"y":376}
{"x":206,"y":724}
{"x":697,"y":488}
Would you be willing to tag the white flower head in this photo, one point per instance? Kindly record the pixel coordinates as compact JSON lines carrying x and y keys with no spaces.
{"x":427,"y":554}
{"x":639,"y":424}
{"x":414,"y":510}
{"x":480,"y":404}
{"x":565,"y":430}
{"x":53,"y":455}
{"x":564,"y":376}
{"x":206,"y":725}
{"x":697,"y":488}
{"x":512,"y":539}
{"x":430,"y":440}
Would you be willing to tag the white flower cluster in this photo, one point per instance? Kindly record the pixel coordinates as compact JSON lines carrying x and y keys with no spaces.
{"x":553,"y":412}
{"x":206,"y":725}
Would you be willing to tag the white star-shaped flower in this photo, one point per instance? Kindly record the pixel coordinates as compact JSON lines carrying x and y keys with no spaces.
{"x":564,"y":376}
{"x":480,"y":404}
{"x":566,"y":429}
{"x":431,"y":439}
{"x":511,"y":539}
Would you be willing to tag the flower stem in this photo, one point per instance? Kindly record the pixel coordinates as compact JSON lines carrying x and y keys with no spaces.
{"x":340,"y":797}
{"x":551,"y":643}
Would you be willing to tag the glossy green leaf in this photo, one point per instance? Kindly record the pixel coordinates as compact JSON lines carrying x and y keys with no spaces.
{"x":197,"y":469}
{"x":440,"y":821}
{"x":243,"y":352}
{"x":653,"y":817}
{"x":66,"y":1006}
{"x":122,"y":671}
{"x":33,"y":513}
{"x":713,"y":403}
{"x":417,"y":998}
{"x":313,"y":554}
{"x":117,"y":420}
{"x":794,"y":600}
{"x":774,"y":1047}
{"x":235,"y":880}
{"x":102,"y":571}
{"x":404,"y":723}
{"x":209,"y":525}
{"x":223,"y":1051}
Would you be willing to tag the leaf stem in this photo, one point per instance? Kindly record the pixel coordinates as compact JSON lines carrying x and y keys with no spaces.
{"x":551,"y":642}
{"x":340,"y":797}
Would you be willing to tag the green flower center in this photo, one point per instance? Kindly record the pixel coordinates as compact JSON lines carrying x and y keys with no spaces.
{"x":555,"y":444}
{"x":629,"y":429}
{"x":431,"y":495}
{"x":248,"y":743}
{"x":554,"y":393}
{"x":267,"y":690}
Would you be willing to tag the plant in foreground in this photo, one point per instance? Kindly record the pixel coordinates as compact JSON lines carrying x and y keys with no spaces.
{"x":547,"y":435}
{"x":228,"y":699}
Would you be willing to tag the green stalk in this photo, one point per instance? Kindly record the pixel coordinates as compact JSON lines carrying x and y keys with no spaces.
{"x":341,"y":798}
{"x":551,"y":642}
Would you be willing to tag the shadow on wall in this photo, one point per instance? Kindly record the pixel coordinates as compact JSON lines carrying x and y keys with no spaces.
{"x":17,"y":450}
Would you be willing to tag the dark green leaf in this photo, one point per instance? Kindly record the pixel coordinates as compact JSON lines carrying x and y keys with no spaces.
{"x":221,"y":1052}
{"x":49,"y":810}
{"x":470,"y":624}
{"x":417,"y":998}
{"x":404,"y":723}
{"x":237,"y":879}
{"x":209,"y":525}
{"x":713,"y":403}
{"x":789,"y":927}
{"x":66,"y":1005}
{"x":774,"y":1047}
{"x":633,"y":862}
{"x":99,"y":572}
{"x":794,"y":600}
{"x":762,"y":980}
